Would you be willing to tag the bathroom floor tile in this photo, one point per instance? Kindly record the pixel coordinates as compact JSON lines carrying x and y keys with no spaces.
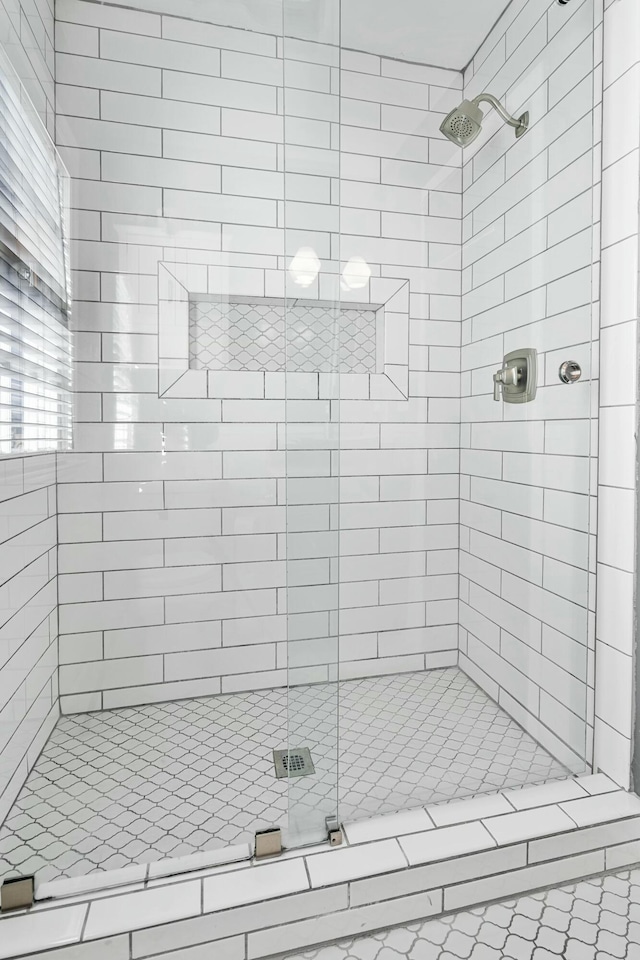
{"x":595,"y":919}
{"x":140,"y":784}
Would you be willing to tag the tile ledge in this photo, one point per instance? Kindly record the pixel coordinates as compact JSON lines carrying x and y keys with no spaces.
{"x":552,"y":801}
{"x":47,"y":914}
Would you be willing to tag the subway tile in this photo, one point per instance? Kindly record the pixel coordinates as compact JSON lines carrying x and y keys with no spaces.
{"x":108,"y":674}
{"x":156,"y":112}
{"x":514,"y":827}
{"x":349,"y":864}
{"x":347,"y":923}
{"x":455,"y":870}
{"x":163,"y":524}
{"x":150,"y":171}
{"x":546,"y":793}
{"x":228,"y":149}
{"x":258,"y":883}
{"x":218,"y":91}
{"x":156,"y":581}
{"x":138,"y":910}
{"x":152,"y":52}
{"x":80,"y":558}
{"x":210,"y":35}
{"x":217,"y":926}
{"x":598,"y":809}
{"x":391,"y":825}
{"x":191,"y":205}
{"x":613,"y":752}
{"x":239,"y":66}
{"x":510,"y":883}
{"x":446,"y":842}
{"x":88,"y":497}
{"x":102,"y":135}
{"x":146,"y":641}
{"x":461,"y":811}
{"x":616,"y":546}
{"x":42,"y":931}
{"x":83,"y":617}
{"x":622,"y":24}
{"x":622,"y":855}
{"x":232,"y":948}
{"x":383,"y":90}
{"x":597,"y":783}
{"x":614,"y":690}
{"x":579,"y":841}
{"x":134,"y":21}
{"x":219,"y":606}
{"x":77,"y":101}
{"x":219,"y":493}
{"x":91,"y":72}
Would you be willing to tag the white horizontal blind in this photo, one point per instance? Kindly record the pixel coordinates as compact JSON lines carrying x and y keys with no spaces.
{"x":35,"y":347}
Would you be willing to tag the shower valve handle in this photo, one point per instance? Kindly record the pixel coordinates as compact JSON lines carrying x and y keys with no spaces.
{"x":503,"y":377}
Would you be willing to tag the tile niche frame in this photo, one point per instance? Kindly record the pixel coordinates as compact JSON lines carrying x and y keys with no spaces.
{"x":179,"y":284}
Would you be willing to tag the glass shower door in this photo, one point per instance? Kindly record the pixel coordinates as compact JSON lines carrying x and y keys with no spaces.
{"x":311,"y":435}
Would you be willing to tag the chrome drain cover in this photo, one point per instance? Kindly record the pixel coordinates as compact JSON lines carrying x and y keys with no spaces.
{"x":296,"y":762}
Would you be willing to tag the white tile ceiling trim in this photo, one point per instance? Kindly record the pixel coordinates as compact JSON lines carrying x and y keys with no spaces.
{"x":306,"y":883}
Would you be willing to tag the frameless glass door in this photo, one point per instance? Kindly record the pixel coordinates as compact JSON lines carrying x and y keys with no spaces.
{"x":311,"y":217}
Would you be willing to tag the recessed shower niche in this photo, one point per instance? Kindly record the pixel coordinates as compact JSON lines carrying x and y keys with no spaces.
{"x":253,"y":335}
{"x":218,"y":331}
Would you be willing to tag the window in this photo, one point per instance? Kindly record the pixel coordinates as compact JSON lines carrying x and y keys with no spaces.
{"x":35,"y":349}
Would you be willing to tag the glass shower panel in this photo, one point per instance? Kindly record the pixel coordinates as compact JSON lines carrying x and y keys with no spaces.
{"x":528,"y":253}
{"x":315,"y":336}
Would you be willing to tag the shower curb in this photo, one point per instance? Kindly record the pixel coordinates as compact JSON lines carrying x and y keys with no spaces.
{"x":397,"y":869}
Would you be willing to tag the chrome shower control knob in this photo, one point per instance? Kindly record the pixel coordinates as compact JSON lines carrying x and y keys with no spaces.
{"x":570,"y":371}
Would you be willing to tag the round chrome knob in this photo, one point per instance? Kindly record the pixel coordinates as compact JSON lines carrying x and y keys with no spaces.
{"x":570,"y":371}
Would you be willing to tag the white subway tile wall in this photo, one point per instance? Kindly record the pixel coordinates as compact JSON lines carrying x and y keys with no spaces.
{"x":175,"y":518}
{"x":28,"y":618}
{"x":617,"y":523}
{"x":27,"y":36}
{"x":529,"y":207}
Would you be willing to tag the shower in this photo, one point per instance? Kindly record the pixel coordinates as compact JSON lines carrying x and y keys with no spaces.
{"x":464,"y":123}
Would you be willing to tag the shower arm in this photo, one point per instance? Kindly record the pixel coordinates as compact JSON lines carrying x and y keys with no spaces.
{"x":495,"y":103}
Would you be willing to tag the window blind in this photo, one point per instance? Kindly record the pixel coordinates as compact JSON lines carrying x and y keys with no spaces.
{"x":35,"y":344}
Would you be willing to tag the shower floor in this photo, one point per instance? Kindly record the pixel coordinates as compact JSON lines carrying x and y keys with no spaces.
{"x":138,"y":784}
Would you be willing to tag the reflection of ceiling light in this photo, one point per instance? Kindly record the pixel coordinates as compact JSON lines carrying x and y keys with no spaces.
{"x":356,"y":274}
{"x":305,"y":267}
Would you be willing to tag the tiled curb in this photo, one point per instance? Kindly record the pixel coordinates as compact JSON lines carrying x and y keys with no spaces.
{"x":392,"y":870}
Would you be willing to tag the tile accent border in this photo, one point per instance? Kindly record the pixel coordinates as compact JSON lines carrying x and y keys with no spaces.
{"x":392,"y":870}
{"x":179,"y":283}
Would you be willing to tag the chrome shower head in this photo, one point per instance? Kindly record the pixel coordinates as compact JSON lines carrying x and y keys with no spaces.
{"x":464,"y":123}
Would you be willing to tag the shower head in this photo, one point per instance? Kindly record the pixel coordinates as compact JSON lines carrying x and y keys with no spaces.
{"x":464,"y":123}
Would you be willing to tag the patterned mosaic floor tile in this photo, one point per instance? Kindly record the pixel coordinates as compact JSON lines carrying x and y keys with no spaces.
{"x":141,"y":783}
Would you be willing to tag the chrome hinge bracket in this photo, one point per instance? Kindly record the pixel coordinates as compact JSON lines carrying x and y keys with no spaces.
{"x":334,"y":832}
{"x":17,"y":893}
{"x":268,"y":843}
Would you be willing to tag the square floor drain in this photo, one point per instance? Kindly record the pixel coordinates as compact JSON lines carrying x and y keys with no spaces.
{"x":293,"y":763}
